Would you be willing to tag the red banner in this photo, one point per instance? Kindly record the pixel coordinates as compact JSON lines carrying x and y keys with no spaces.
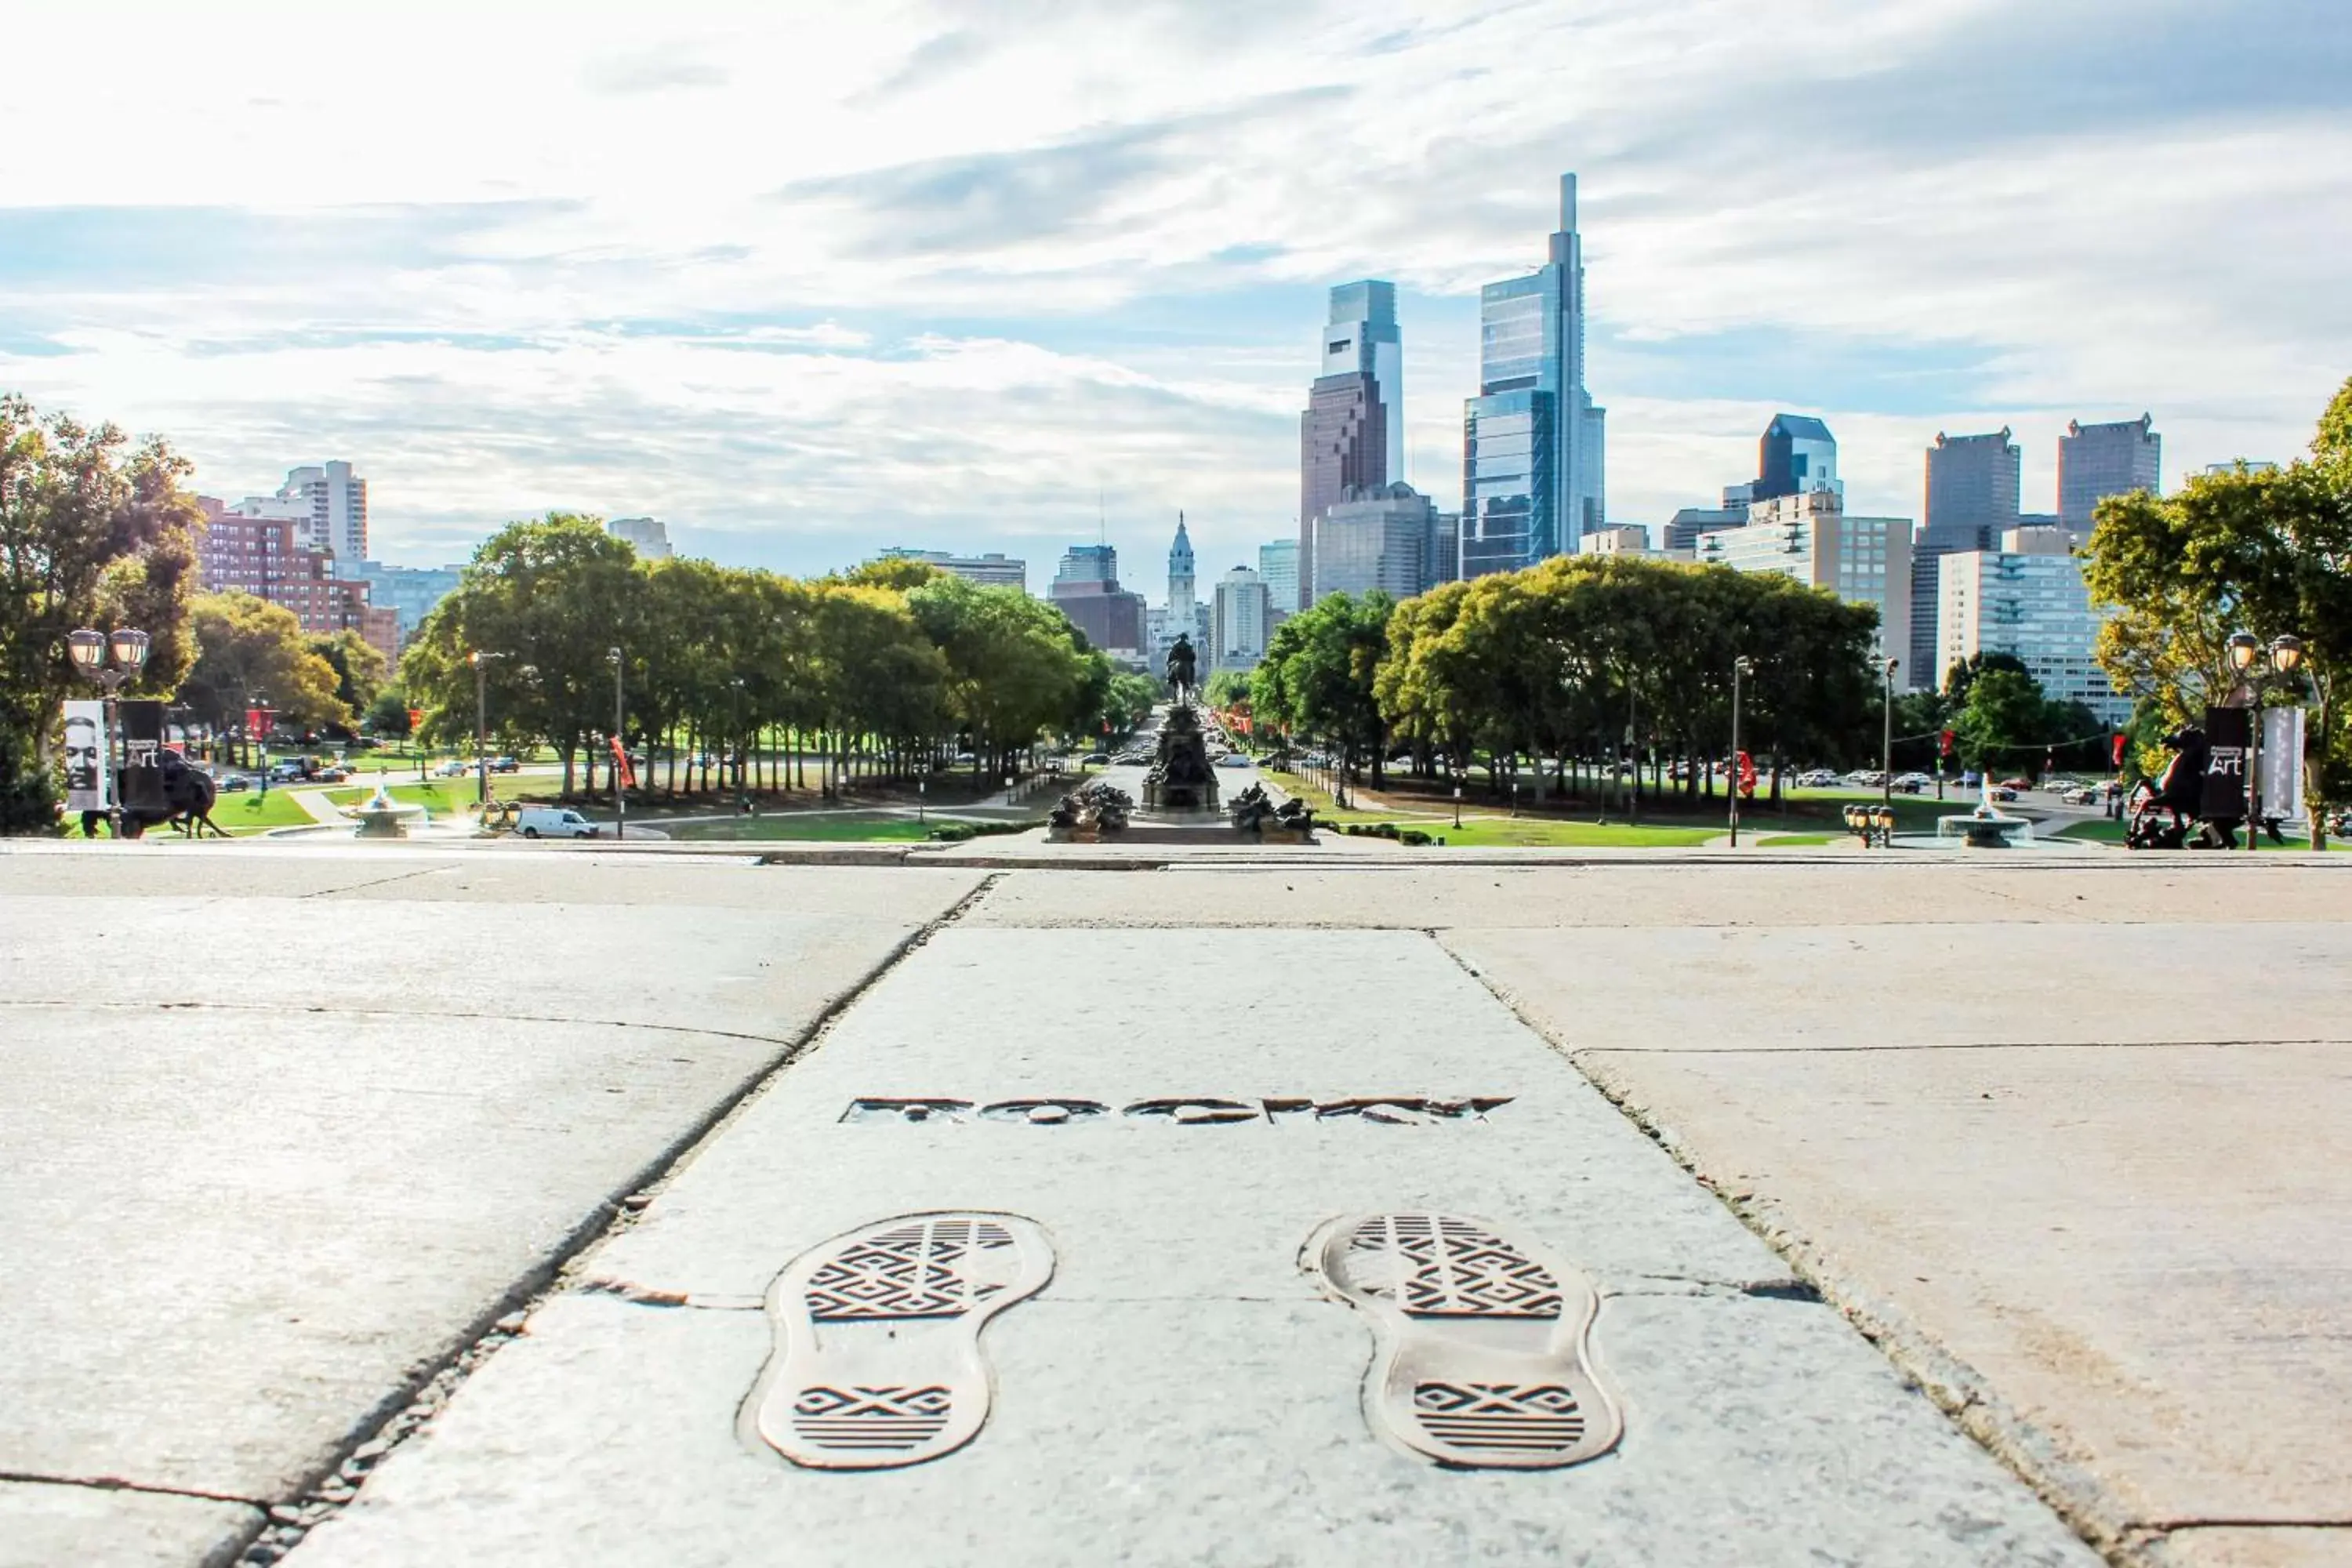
{"x":1746,"y":776}
{"x":258,"y":721}
{"x":621,"y":760}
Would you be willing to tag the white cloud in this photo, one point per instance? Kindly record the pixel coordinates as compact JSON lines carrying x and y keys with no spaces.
{"x":837,"y":276}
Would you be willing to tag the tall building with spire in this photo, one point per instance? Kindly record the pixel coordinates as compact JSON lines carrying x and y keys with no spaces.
{"x":1180,"y":596}
{"x":1533,"y":451}
{"x":1352,"y":437}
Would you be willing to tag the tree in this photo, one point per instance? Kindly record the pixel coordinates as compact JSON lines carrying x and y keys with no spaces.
{"x":387,"y":717}
{"x":359,"y":666}
{"x":253,"y":653}
{"x":93,"y":532}
{"x":1319,"y":671}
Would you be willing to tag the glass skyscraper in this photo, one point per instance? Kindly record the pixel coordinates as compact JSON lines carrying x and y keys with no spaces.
{"x":1533,"y":450}
{"x":1352,"y":437}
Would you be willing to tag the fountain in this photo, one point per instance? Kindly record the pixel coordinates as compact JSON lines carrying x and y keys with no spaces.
{"x":1988,"y":826}
{"x":381,"y":817}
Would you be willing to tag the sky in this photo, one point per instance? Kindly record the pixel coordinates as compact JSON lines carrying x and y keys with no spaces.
{"x":805,"y":280}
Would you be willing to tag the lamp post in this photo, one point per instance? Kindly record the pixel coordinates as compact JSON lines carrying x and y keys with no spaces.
{"x":735,"y":734}
{"x":1740,"y":667}
{"x":1457,"y":801}
{"x":481,"y":661}
{"x":2286,"y":659}
{"x":621,"y":751}
{"x":89,"y":650}
{"x":1886,"y":746}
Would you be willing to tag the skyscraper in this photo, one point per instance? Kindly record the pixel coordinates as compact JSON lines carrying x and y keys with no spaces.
{"x":1277,"y":566}
{"x":1352,"y":434}
{"x":1085,"y":588}
{"x":1533,"y":455}
{"x":328,"y":505}
{"x":648,"y":534}
{"x":2095,"y":461}
{"x":1796,"y":454}
{"x":1972,"y":499}
{"x":1242,"y":618}
{"x":1808,"y":537}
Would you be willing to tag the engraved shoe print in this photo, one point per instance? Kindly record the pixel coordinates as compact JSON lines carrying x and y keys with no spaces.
{"x":877,"y":1361}
{"x":1483,"y":1360}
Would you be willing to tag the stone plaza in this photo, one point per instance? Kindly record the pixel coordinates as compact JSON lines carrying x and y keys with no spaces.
{"x":398,"y":1205}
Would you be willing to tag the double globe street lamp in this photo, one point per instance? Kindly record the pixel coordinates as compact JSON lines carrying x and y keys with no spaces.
{"x":90,"y":649}
{"x":2246,"y":657}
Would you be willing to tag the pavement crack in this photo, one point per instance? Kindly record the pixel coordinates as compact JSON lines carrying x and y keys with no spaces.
{"x":1575,"y":1053}
{"x":119,"y":1484}
{"x":377,"y":883}
{"x":447,"y":1015}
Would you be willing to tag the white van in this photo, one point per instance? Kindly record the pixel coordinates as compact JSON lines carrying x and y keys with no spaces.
{"x":553,"y":821}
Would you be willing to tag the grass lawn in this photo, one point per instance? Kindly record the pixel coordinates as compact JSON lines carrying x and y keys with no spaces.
{"x":834,"y":829}
{"x":1485,"y":832}
{"x":1803,"y":840}
{"x":1320,"y":799}
{"x":250,"y":811}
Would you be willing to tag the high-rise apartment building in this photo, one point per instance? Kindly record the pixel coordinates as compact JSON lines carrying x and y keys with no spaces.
{"x":2026,"y":598}
{"x":648,"y":535}
{"x":328,"y":505}
{"x":1352,"y":437}
{"x":1795,"y":453}
{"x":992,"y":570}
{"x":1623,"y":539}
{"x":1277,"y":568}
{"x":2095,"y":461}
{"x":1441,"y":558}
{"x":265,"y":556}
{"x":1374,"y":539}
{"x":1533,"y":458}
{"x":1810,"y":537}
{"x":1241,"y":617}
{"x":1972,"y":501}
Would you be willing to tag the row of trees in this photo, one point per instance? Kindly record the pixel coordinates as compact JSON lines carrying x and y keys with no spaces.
{"x":1575,"y":661}
{"x":878,"y":672}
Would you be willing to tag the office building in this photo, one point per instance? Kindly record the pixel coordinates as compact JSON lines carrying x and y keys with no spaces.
{"x":1738,"y":498}
{"x":2252,"y":465}
{"x":1277,"y":568}
{"x":1362,"y":337}
{"x":409,"y":592}
{"x":1618,"y":538}
{"x":1682,"y":531}
{"x":1971,"y":500}
{"x":993,"y":570}
{"x":1085,"y":588}
{"x":2026,"y":598}
{"x":1796,"y":454}
{"x":1374,"y":539}
{"x":1343,"y":447}
{"x":1533,"y":457}
{"x":1441,"y":559}
{"x":1810,"y":537}
{"x":2095,"y":461}
{"x":648,"y":535}
{"x":1242,"y":618}
{"x":265,"y":556}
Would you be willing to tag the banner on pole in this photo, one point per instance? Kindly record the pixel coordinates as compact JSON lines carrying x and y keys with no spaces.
{"x":2227,"y":731}
{"x":143,"y":754}
{"x":621,"y":760}
{"x":86,"y":781}
{"x":2282,"y":762}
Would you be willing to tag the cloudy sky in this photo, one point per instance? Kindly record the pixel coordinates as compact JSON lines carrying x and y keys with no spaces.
{"x":806,"y":279}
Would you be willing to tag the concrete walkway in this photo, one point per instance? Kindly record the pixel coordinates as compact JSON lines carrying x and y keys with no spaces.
{"x":2062,"y":1138}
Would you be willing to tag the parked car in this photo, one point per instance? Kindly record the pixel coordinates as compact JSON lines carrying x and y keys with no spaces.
{"x":553,"y":821}
{"x":2002,"y":792}
{"x":509,"y":765}
{"x":2017,"y":784}
{"x":331,"y":775}
{"x":1233,"y":760}
{"x":2081,"y":796}
{"x":232,"y":783}
{"x":455,"y":768}
{"x":1094,"y":760}
{"x":1819,"y":778}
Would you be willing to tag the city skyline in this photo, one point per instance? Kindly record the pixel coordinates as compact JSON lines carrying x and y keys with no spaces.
{"x":874,"y":323}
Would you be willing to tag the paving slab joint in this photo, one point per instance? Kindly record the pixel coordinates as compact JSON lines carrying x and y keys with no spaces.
{"x":401,"y":1414}
{"x":1966,"y":1397}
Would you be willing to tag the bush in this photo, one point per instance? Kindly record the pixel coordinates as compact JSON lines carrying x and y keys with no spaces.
{"x":1414,"y":835}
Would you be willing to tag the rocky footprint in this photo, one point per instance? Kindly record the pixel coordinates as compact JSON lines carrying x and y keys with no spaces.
{"x":1483,"y":1360}
{"x":877,"y":1361}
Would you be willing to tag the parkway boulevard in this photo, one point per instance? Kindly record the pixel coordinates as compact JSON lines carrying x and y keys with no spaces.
{"x":367,"y":1205}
